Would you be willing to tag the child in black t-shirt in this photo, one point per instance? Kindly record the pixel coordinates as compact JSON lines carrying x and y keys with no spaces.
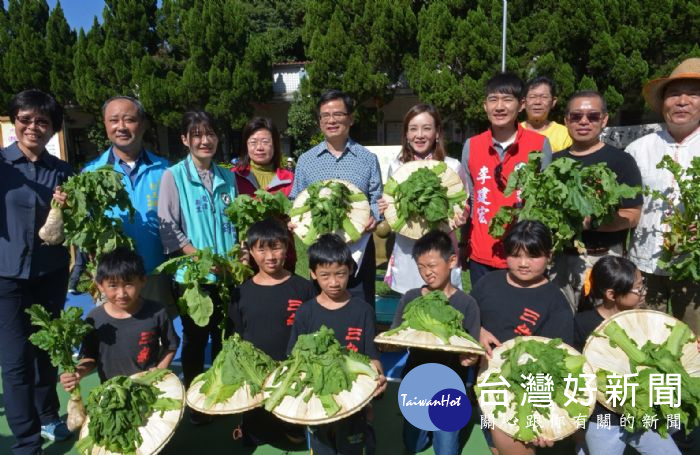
{"x":615,"y":285}
{"x":520,"y":301}
{"x":435,"y":258}
{"x":262,"y":311}
{"x":352,"y":320}
{"x":130,"y":334}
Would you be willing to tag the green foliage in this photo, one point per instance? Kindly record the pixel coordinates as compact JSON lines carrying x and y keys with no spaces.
{"x":88,"y":223}
{"x":198,"y":267}
{"x":330,"y":204}
{"x":302,"y":122}
{"x":433,"y":313}
{"x":561,"y":196}
{"x":119,"y":407}
{"x":60,"y":40}
{"x":239,"y":363}
{"x":422,"y":196}
{"x":320,"y":366}
{"x":680,"y":256}
{"x":659,"y":359}
{"x":246,"y":210}
{"x":531,"y":357}
{"x":59,"y":337}
{"x":96,"y":135}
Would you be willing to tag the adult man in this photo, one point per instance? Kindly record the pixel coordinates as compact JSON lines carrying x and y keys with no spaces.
{"x":540,"y":99}
{"x":489,"y":158}
{"x":677,"y":98}
{"x":586,"y":116}
{"x":339,"y":157}
{"x":125,"y":124}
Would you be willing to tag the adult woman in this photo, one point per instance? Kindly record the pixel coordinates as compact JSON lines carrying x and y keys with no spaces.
{"x":422,"y":140}
{"x":193,"y":196}
{"x":30,"y":272}
{"x":260,"y":167}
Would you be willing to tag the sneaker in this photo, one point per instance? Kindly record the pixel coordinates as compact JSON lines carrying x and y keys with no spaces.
{"x":199,"y":418}
{"x":55,"y":431}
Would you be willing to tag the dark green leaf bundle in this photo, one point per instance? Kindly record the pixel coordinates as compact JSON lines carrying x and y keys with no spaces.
{"x":680,"y":256}
{"x":433,"y":313}
{"x":246,"y":210}
{"x":545,"y":358}
{"x":87,"y":221}
{"x":238,"y":363}
{"x":198,"y":266}
{"x":330,"y":204}
{"x":119,"y":407}
{"x":650,"y":359}
{"x":561,"y":196}
{"x":422,"y":196}
{"x":318,"y":365}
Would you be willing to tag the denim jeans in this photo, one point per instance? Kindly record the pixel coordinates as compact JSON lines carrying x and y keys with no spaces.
{"x":604,"y":441}
{"x":417,"y":440}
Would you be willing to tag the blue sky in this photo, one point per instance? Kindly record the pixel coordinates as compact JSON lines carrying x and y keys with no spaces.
{"x":79,"y":13}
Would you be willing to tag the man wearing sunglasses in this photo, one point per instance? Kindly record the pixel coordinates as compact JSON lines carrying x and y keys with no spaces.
{"x":585,"y":117}
{"x":489,"y":158}
{"x":677,"y":99}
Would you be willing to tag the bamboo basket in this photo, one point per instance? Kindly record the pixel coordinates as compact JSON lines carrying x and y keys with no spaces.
{"x":549,"y":430}
{"x":414,"y":227}
{"x":412,"y":338}
{"x":241,"y":401}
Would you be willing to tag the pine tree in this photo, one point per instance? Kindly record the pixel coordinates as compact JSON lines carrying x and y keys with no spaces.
{"x":5,"y":93}
{"x":60,"y":41}
{"x":24,"y":64}
{"x":90,"y":90}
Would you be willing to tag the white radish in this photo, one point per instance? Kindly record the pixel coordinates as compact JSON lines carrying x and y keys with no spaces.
{"x":76,"y":411}
{"x":52,"y":230}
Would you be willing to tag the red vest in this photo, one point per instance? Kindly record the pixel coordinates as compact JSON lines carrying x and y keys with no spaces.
{"x":487,"y":198}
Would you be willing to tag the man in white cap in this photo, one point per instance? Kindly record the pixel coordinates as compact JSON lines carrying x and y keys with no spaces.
{"x":677,"y":99}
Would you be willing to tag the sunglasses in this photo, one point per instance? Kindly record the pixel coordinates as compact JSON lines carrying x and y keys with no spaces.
{"x":38,"y":121}
{"x":593,"y":117}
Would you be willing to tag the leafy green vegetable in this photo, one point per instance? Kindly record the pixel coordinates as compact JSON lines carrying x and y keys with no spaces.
{"x":680,"y":255}
{"x":650,"y":359}
{"x":198,"y":266}
{"x":318,"y":365}
{"x":238,"y":363}
{"x":119,"y":406}
{"x":422,"y":196}
{"x":546,"y":358}
{"x":246,"y":210}
{"x":330,"y":204}
{"x":561,"y":196}
{"x":433,"y":313}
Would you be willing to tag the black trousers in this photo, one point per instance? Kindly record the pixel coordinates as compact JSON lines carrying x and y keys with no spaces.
{"x":28,"y":378}
{"x":196,"y":338}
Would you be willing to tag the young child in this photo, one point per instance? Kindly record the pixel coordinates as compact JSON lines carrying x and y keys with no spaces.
{"x":130,"y":334}
{"x":435,"y":257}
{"x":615,"y":285}
{"x":262,"y":311}
{"x":352,"y":320}
{"x":520,"y":301}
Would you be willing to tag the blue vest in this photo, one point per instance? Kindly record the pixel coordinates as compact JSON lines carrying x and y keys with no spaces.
{"x":203,"y":213}
{"x":144,"y":197}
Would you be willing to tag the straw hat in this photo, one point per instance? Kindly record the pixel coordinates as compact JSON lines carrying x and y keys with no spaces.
{"x":359,"y":213}
{"x":412,"y":338}
{"x":558,"y":425}
{"x":654,"y":90}
{"x":416,"y":228}
{"x":159,"y":427}
{"x":641,"y":326}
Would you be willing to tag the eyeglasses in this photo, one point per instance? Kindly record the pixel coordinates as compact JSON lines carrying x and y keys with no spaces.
{"x":593,"y":117}
{"x":339,"y":116}
{"x":38,"y":121}
{"x":641,"y":291}
{"x":254,"y":143}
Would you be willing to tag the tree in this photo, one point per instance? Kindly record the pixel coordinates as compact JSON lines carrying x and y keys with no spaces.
{"x":5,"y":93}
{"x":302,"y":122}
{"x":24,"y":64}
{"x":90,"y":91}
{"x":60,"y":40}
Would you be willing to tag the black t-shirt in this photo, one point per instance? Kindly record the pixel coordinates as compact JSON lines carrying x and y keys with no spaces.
{"x":128,"y":346}
{"x":471,"y":323}
{"x":627,"y":172}
{"x":508,"y":311}
{"x":585,"y":323}
{"x":264,"y":315}
{"x":353,"y":324}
